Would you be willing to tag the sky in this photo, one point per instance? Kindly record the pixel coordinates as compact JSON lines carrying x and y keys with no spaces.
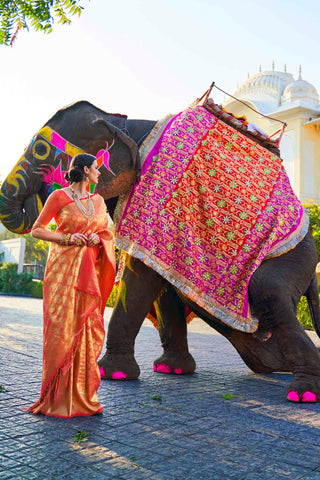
{"x":147,"y":58}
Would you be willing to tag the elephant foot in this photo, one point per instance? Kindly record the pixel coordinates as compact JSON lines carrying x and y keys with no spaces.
{"x":304,"y":389}
{"x":118,"y":367}
{"x":163,"y":368}
{"x":175,"y":364}
{"x":306,"y":397}
{"x":115,"y":375}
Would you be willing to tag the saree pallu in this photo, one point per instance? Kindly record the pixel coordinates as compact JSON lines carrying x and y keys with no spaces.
{"x":77,"y":283}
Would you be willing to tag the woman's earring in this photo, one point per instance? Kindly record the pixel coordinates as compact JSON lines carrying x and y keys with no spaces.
{"x":87,"y":178}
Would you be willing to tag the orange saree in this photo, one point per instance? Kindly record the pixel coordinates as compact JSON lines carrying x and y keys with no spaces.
{"x":77,"y":283}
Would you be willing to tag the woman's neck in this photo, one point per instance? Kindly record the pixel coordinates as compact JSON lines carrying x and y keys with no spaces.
{"x":80,"y":188}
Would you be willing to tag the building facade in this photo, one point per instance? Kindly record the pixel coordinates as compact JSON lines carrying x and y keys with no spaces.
{"x":295,"y":102}
{"x":12,"y":251}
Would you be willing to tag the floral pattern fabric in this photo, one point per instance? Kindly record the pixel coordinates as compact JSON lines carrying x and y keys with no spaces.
{"x":209,"y":208}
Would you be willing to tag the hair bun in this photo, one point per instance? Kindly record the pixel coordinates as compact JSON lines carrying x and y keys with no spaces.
{"x":75,"y":175}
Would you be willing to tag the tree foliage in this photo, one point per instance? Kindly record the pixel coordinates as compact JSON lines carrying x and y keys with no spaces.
{"x":36,"y":250}
{"x":36,"y":14}
{"x":314,"y":216}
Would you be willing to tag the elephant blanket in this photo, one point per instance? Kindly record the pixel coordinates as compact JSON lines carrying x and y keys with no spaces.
{"x":211,"y":205}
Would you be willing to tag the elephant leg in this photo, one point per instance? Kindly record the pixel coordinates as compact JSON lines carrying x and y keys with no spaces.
{"x":304,"y":360}
{"x":138,"y":289}
{"x":259,"y":356}
{"x":173,"y":333}
{"x":289,"y":349}
{"x":274,"y":302}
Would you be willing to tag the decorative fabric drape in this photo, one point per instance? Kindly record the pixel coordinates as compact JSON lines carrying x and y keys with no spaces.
{"x":210,"y":206}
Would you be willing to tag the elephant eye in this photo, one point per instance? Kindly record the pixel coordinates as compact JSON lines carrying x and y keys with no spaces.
{"x":40,"y":149}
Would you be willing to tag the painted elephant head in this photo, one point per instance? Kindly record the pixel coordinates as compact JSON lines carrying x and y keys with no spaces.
{"x":78,"y":128}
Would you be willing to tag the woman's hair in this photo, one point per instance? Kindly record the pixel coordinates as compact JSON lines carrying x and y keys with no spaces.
{"x":76,"y":170}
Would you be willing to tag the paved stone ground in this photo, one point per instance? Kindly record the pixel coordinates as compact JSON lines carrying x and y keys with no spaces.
{"x":223,"y":422}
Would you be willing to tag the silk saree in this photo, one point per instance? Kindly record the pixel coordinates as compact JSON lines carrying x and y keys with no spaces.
{"x":77,"y":283}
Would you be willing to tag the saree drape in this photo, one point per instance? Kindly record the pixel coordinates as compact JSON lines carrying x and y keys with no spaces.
{"x":77,"y":283}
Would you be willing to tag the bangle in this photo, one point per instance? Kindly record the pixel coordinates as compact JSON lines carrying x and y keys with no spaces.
{"x":68,"y":236}
{"x":65,"y":239}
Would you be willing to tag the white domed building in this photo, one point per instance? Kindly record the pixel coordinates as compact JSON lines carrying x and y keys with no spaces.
{"x":295,"y":102}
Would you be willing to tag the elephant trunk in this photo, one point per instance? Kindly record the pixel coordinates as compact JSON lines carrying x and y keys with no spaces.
{"x":20,"y":203}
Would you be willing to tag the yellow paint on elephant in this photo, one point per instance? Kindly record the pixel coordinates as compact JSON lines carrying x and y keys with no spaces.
{"x":69,"y":149}
{"x":20,"y":229}
{"x":122,"y":291}
{"x":15,"y":174}
{"x":46,"y":132}
{"x":72,"y":150}
{"x":128,"y":264}
{"x":39,"y":203}
{"x":159,"y":316}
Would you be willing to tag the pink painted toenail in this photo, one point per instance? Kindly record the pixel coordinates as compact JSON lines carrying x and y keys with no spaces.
{"x":178,"y":371}
{"x":309,"y":397}
{"x":102,"y":372}
{"x":154,"y":367}
{"x":118,"y":376}
{"x":163,"y":368}
{"x":293,"y":396}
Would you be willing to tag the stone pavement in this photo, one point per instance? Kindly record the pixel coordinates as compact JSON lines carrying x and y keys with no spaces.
{"x":223,"y":422}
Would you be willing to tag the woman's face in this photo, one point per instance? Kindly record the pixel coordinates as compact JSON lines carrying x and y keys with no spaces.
{"x":93,"y":173}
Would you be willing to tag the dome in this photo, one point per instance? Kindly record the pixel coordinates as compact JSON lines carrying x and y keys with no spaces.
{"x":264,"y":90}
{"x":300,"y":90}
{"x":271,"y":83}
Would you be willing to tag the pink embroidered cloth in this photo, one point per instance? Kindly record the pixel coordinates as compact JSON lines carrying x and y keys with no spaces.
{"x":211,"y":205}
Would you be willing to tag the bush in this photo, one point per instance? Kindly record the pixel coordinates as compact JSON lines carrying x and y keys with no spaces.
{"x":13,"y":282}
{"x":303,"y":314}
{"x":37,"y":289}
{"x":314,"y":216}
{"x":18,"y":283}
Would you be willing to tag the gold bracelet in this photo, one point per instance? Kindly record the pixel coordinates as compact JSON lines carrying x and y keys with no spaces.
{"x":65,"y":239}
{"x":68,"y":236}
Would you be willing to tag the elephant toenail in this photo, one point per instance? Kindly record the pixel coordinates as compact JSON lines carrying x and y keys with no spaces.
{"x":102,"y":372}
{"x":309,"y":397}
{"x":177,"y":371}
{"x":163,"y":368}
{"x":118,"y":376}
{"x":293,"y":396}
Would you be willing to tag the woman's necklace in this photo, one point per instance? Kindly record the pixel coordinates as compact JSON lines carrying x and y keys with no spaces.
{"x":86,"y":213}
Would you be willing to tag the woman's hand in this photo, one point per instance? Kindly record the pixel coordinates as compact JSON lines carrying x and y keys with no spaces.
{"x":93,"y":240}
{"x":78,"y":239}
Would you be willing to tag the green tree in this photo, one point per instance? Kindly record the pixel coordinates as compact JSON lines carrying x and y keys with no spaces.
{"x":36,"y":250}
{"x":37,"y":14}
{"x":314,"y":215}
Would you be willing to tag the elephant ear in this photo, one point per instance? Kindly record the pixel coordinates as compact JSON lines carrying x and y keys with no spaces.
{"x":125,"y":139}
{"x":103,"y":157}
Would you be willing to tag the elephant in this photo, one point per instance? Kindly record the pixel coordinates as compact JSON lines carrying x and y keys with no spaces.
{"x":280,"y":343}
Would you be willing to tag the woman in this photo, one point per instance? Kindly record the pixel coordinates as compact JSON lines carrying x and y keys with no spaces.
{"x":78,"y":280}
